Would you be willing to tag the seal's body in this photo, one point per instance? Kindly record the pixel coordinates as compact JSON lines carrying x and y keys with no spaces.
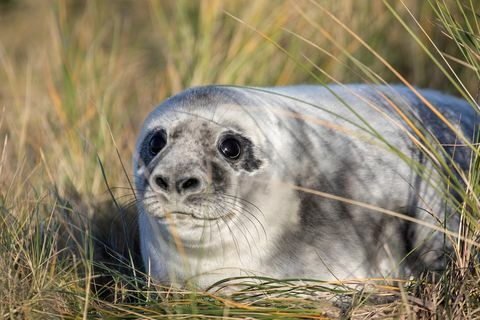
{"x":301,"y":181}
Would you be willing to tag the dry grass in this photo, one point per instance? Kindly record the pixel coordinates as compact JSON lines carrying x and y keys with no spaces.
{"x":78,"y":77}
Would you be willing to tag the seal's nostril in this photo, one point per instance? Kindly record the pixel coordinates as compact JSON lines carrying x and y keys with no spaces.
{"x":188,"y":185}
{"x":161,"y":183}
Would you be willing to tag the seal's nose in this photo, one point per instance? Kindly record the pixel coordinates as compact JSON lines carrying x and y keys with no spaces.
{"x":183,"y":186}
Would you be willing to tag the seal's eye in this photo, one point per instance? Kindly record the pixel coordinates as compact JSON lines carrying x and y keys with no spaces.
{"x":157,"y":142}
{"x":230,"y":148}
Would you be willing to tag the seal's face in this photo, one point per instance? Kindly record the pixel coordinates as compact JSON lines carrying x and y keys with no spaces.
{"x":189,"y":176}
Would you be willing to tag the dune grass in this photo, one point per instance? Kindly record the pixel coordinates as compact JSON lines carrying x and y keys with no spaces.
{"x":77,"y":78}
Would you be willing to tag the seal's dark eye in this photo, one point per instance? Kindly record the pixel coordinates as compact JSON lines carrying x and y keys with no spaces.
{"x":157,"y":142}
{"x":230,"y":148}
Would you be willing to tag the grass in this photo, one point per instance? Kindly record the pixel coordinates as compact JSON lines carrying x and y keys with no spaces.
{"x":78,"y":78}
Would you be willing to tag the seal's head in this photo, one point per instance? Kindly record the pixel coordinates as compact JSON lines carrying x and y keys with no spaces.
{"x":192,"y":165}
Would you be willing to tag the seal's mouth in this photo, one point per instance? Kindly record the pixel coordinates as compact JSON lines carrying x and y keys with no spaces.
{"x":194,"y":216}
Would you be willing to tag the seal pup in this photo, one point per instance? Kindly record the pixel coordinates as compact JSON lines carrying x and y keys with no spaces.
{"x":287,"y":182}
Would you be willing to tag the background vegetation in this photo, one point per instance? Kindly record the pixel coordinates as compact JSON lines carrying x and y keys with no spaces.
{"x":78,"y":77}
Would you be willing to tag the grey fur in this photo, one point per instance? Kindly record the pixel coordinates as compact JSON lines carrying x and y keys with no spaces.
{"x":245,"y":218}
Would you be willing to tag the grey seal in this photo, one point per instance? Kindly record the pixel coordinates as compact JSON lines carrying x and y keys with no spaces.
{"x":326,"y":182}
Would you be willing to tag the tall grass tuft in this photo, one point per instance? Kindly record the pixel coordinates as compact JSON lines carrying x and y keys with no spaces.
{"x":458,"y":20}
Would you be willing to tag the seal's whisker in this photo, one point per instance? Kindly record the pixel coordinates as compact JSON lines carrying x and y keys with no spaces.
{"x":222,"y":243}
{"x":245,"y":209}
{"x":234,"y":239}
{"x":204,"y":231}
{"x":238,"y":211}
{"x":210,"y":206}
{"x":248,"y":203}
{"x":219,"y":215}
{"x":232,"y":234}
{"x":245,"y":213}
{"x":123,"y":196}
{"x":129,"y":204}
{"x":235,"y":223}
{"x":251,"y":213}
{"x":127,"y":188}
